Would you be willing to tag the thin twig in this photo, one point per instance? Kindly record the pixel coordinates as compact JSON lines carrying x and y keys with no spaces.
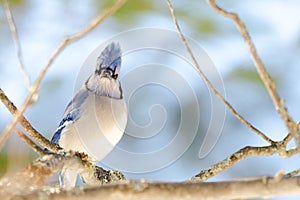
{"x":35,"y":147}
{"x":39,"y":138}
{"x":14,"y":31}
{"x":262,"y":71}
{"x":287,"y":139}
{"x":240,"y":155}
{"x":293,"y":173}
{"x":62,"y":45}
{"x":233,"y":159}
{"x":207,"y":81}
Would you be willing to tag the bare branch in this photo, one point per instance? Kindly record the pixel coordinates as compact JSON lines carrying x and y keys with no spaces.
{"x":39,"y":138}
{"x":287,"y":139}
{"x":24,"y":182}
{"x":35,"y":175}
{"x":91,"y":174}
{"x":293,"y":173}
{"x":262,"y":71}
{"x":15,"y":35}
{"x":275,"y":147}
{"x":242,"y":154}
{"x":209,"y":84}
{"x":63,"y":44}
{"x":26,"y":139}
{"x":234,"y":159}
{"x":265,"y":187}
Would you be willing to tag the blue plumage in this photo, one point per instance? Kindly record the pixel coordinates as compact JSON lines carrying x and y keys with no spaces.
{"x":70,"y":118}
{"x":71,"y":114}
{"x":56,"y":136}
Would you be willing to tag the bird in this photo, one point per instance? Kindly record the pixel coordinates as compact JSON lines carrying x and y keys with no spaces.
{"x":95,"y":119}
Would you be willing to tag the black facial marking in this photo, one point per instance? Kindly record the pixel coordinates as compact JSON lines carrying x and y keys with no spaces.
{"x":115,"y":76}
{"x":111,"y":70}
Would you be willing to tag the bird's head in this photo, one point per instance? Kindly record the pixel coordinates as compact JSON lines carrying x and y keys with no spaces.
{"x":104,"y":80}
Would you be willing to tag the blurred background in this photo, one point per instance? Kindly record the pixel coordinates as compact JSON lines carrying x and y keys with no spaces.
{"x":273,"y":25}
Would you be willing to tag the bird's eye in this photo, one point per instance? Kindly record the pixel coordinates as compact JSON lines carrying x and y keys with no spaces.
{"x":115,"y":76}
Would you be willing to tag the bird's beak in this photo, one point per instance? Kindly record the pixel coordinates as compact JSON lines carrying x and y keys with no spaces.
{"x":106,"y":74}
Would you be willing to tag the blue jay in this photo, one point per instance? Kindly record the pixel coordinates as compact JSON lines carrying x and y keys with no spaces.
{"x":95,"y":119}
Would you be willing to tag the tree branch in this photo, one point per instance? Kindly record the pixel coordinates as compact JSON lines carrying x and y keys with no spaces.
{"x":26,"y":139}
{"x":242,"y":154}
{"x":63,"y":44}
{"x":293,"y":173}
{"x":39,"y":138}
{"x":262,"y":71}
{"x":264,"y":187}
{"x":209,"y":84}
{"x":35,"y":175}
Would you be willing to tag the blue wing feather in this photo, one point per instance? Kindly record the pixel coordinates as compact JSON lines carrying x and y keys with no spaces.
{"x":71,"y":117}
{"x":56,"y":136}
{"x":76,"y":102}
{"x":72,"y":113}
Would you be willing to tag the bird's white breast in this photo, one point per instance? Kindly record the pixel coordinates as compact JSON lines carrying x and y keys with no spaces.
{"x":99,"y":129}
